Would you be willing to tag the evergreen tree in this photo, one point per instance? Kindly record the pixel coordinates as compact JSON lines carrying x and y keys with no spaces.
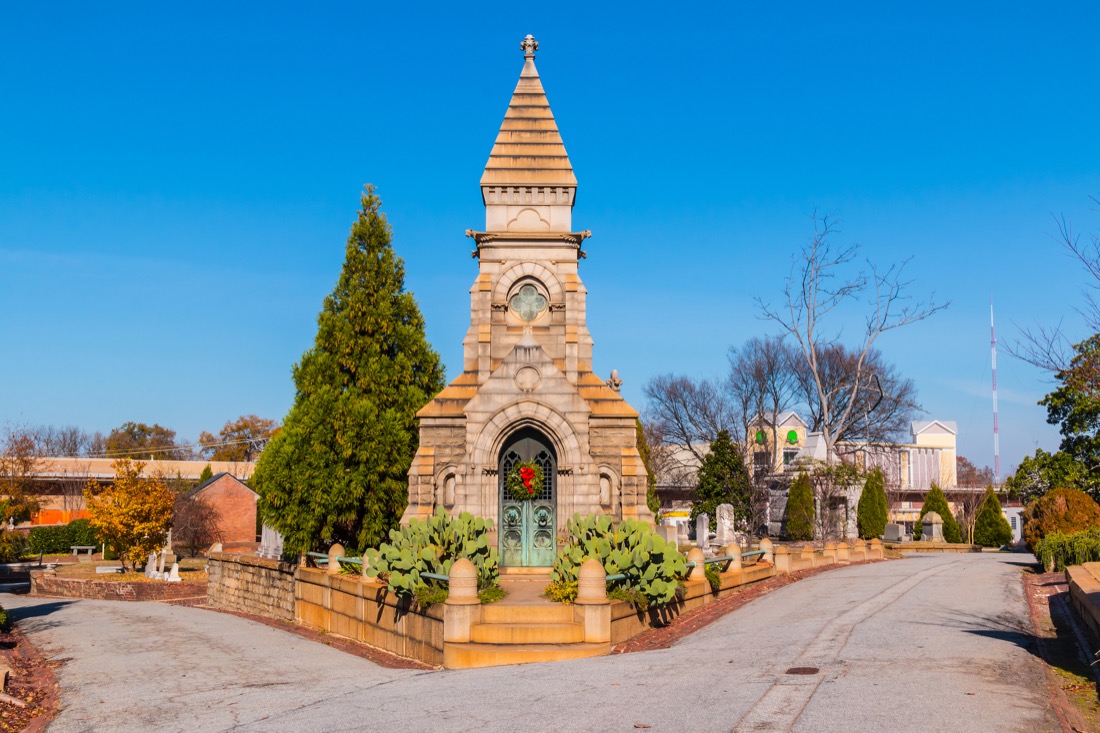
{"x":723,"y":479}
{"x":991,"y":529}
{"x":651,"y":499}
{"x":337,"y":471}
{"x":936,"y":502}
{"x":799,"y":514}
{"x":871,"y":512}
{"x":206,"y":475}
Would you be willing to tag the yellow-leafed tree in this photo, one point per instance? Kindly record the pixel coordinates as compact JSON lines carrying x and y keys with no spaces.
{"x":132,"y":515}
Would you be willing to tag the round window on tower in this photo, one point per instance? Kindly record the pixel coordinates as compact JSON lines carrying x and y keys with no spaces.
{"x":527,"y":303}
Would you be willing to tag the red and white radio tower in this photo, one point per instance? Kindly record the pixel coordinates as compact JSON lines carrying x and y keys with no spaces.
{"x":996,"y":435}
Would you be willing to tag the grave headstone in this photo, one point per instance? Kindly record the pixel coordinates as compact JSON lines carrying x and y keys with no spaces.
{"x":894,"y":533}
{"x":725,"y":524}
{"x":174,"y":574}
{"x":151,"y":565}
{"x":702,"y":531}
{"x":932,"y":528}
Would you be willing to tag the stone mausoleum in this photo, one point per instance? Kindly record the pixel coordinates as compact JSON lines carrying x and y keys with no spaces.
{"x":527,"y":391}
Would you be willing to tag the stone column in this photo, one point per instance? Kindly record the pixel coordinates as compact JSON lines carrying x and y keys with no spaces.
{"x":769,"y":550}
{"x":782,"y":560}
{"x":859,"y":550}
{"x":842,"y":553}
{"x":698,"y":572}
{"x":807,"y":556}
{"x":734,"y":551}
{"x":334,"y":554}
{"x":592,"y":605}
{"x":876,"y":549}
{"x":463,"y":608}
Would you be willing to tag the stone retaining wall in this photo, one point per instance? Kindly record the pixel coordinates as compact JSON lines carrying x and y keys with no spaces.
{"x":45,"y":584}
{"x":919,"y":546}
{"x":626,"y":622}
{"x":362,"y":609}
{"x":1084,"y":593}
{"x":251,"y":584}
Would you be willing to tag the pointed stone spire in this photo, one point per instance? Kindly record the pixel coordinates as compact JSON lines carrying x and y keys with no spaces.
{"x":529,"y":151}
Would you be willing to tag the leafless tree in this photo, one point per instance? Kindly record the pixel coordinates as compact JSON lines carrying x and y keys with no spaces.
{"x":820,"y":282}
{"x":762,"y":384}
{"x":20,"y":464}
{"x":967,"y":504}
{"x":194,"y":524}
{"x":831,"y":482}
{"x":70,"y":482}
{"x":66,"y":441}
{"x":687,"y":413}
{"x":883,"y":403}
{"x":1049,"y":347}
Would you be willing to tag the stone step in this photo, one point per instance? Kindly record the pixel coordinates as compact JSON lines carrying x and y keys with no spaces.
{"x":527,"y":633}
{"x":467,"y":656}
{"x":546,"y":613}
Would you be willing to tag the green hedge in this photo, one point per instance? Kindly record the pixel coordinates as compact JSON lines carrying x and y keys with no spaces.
{"x":57,"y":540}
{"x":1057,"y":550}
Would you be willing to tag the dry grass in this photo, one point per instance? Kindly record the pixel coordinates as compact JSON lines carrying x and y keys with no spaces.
{"x":191,"y":569}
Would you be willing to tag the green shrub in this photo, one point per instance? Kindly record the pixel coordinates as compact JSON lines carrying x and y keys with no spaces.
{"x":651,"y":565}
{"x":431,"y":546}
{"x":629,"y":595}
{"x":4,"y":622}
{"x":714,"y":577}
{"x":561,"y":591}
{"x":1057,"y":551}
{"x":991,"y":529}
{"x":12,"y":546}
{"x":871,"y":512}
{"x":426,"y":595}
{"x":936,"y":502}
{"x":492,"y":594}
{"x":799,"y":514}
{"x":1064,"y":511}
{"x":60,"y":539}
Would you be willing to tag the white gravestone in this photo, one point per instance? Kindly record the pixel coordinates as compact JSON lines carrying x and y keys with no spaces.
{"x":174,"y":575}
{"x":725,"y":524}
{"x":702,"y":531}
{"x":151,"y":565}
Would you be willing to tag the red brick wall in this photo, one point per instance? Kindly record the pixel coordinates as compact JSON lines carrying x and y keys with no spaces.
{"x":105,"y":590}
{"x":235,"y":504}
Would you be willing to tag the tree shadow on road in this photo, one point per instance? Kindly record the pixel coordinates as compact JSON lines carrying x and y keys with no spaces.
{"x":39,"y":610}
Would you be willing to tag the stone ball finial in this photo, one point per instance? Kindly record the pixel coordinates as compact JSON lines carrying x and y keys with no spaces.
{"x":529,"y":45}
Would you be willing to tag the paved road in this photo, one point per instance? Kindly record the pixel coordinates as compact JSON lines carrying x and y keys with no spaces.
{"x":926,"y":643}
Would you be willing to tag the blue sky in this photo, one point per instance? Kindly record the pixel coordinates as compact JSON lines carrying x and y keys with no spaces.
{"x":177,"y":183}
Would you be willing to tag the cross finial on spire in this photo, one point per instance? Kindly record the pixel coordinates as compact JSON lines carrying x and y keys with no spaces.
{"x":529,"y":45}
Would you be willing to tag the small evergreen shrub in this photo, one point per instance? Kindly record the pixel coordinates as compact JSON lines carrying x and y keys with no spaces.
{"x":991,"y":529}
{"x":1065,"y":511}
{"x":714,"y":577}
{"x":799,"y":514}
{"x":1057,"y":551}
{"x":872,"y":510}
{"x":936,"y":502}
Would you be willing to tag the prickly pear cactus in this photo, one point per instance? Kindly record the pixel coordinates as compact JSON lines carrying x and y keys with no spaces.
{"x":431,"y":546}
{"x":651,"y":565}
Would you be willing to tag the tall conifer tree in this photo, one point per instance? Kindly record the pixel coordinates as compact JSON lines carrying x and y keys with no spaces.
{"x":872,"y":510}
{"x":338,"y":470}
{"x":799,"y":514}
{"x":935,"y":501}
{"x":991,"y":529}
{"x":723,"y":479}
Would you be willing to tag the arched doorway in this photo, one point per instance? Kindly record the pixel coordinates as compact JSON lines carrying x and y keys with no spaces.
{"x":528,"y":528}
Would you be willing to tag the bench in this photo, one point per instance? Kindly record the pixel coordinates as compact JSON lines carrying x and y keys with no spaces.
{"x":77,"y":549}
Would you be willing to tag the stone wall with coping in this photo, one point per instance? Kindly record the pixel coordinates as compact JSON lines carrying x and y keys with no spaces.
{"x":47,"y":584}
{"x":919,"y":546}
{"x":627,"y":622}
{"x":1084,"y":593}
{"x":363,"y":610}
{"x":251,"y":584}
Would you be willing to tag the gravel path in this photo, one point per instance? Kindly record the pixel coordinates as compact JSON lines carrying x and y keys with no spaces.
{"x":930,"y":643}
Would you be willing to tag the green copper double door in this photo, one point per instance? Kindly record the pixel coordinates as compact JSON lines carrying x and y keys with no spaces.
{"x":527,"y":528}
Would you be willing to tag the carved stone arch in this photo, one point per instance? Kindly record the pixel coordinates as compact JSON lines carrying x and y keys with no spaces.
{"x":610,"y":490}
{"x":529,"y":270}
{"x":507,"y":420}
{"x":446,"y":486}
